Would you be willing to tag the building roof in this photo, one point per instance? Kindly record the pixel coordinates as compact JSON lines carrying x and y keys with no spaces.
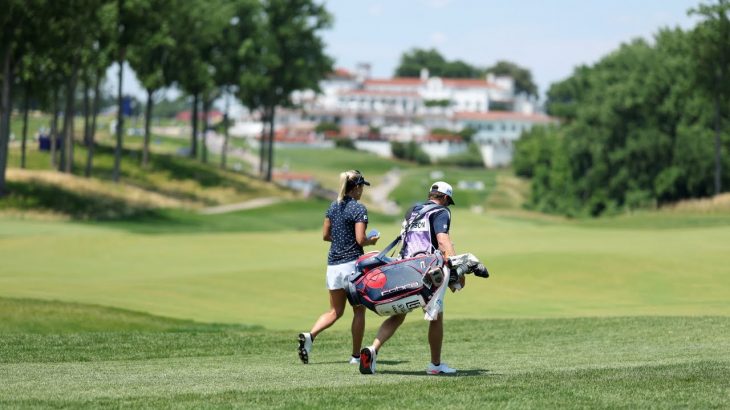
{"x":395,"y":81}
{"x":213,"y":115}
{"x":383,"y":93}
{"x":502,"y":116}
{"x":444,"y":137}
{"x":467,"y":83}
{"x":341,"y":73}
{"x":417,"y":82}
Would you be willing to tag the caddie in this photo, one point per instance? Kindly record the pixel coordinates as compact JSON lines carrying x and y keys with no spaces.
{"x":424,"y":235}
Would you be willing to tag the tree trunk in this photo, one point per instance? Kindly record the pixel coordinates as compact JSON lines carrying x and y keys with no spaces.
{"x":26,"y":108}
{"x":224,"y":149}
{"x":92,"y":131}
{"x":120,"y":121}
{"x":54,"y":128}
{"x":194,"y":133}
{"x":5,"y":108}
{"x":262,"y":148}
{"x":147,"y":121}
{"x":67,"y":157}
{"x":270,"y":162}
{"x":204,"y":137}
{"x":86,"y":109}
{"x":718,"y":147}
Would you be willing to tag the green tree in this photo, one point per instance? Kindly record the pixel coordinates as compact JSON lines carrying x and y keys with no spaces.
{"x":636,"y":132}
{"x":235,"y":55}
{"x":99,"y":57}
{"x":16,"y":25}
{"x":151,"y":60}
{"x":521,"y":75}
{"x":291,"y":57}
{"x":197,"y":30}
{"x":712,"y":67}
{"x":413,"y":61}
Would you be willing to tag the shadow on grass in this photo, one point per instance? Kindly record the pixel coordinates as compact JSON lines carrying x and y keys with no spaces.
{"x":49,"y":197}
{"x":460,"y":373}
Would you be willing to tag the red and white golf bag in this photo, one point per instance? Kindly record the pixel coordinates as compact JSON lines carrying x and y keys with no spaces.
{"x":389,"y":287}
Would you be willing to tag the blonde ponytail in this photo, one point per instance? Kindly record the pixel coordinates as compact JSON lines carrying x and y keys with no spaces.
{"x":348,"y":179}
{"x":343,"y":186}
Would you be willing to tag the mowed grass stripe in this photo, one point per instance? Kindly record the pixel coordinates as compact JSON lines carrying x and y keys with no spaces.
{"x":596,"y":362}
{"x":276,"y":279}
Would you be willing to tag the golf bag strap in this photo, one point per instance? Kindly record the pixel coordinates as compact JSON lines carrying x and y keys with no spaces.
{"x":388,"y":248}
{"x":423,"y":211}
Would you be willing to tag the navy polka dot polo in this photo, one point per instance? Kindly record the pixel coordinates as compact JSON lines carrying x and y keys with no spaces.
{"x":343,"y":217}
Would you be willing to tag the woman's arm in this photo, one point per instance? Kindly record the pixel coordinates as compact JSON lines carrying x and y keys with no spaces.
{"x":360,"y":236}
{"x":327,"y":230}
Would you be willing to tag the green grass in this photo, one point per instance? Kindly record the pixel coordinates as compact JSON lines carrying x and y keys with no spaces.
{"x":295,"y":215}
{"x":638,"y":362}
{"x":416,"y":182}
{"x":171,"y":308}
{"x":199,"y":271}
{"x":326,"y":165}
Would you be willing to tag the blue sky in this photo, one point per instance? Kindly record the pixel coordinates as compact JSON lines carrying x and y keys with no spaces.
{"x":549,"y":37}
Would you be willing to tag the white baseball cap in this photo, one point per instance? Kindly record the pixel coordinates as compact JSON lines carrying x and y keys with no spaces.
{"x":443,"y":188}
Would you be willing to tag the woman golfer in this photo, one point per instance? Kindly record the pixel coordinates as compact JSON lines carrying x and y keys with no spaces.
{"x":344,"y":226}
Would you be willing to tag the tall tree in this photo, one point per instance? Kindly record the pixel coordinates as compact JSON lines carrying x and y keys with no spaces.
{"x":712,"y":67}
{"x":131,"y":17}
{"x":101,"y":55}
{"x":151,"y":59}
{"x":197,"y":29}
{"x":16,"y":25}
{"x":292,"y":57}
{"x":235,"y":55}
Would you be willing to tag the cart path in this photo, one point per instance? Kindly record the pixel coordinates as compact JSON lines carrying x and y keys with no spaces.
{"x":379,"y":194}
{"x":241,"y":206}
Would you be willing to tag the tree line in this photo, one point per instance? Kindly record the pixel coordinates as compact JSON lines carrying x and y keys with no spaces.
{"x":413,"y":61}
{"x":644,"y":126}
{"x":257,"y":50}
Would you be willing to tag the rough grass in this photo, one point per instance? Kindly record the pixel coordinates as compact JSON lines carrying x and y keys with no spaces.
{"x":639,"y":362}
{"x":716,"y":204}
{"x":169,"y":182}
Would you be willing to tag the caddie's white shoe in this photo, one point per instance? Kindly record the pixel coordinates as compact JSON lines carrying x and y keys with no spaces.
{"x":440,"y":369}
{"x":305,"y":346}
{"x":367,"y":360}
{"x":354,"y":360}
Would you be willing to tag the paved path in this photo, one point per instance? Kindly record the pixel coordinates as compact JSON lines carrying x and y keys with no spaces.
{"x":254,"y":203}
{"x":379,"y":193}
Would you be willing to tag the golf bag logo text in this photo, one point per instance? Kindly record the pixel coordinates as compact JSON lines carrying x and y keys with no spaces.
{"x":395,"y":289}
{"x":404,"y":305}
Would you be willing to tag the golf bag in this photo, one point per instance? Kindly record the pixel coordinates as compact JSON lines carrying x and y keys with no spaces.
{"x":390,"y":287}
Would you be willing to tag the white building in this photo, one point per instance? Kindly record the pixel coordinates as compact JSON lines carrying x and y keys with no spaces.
{"x":407,"y":109}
